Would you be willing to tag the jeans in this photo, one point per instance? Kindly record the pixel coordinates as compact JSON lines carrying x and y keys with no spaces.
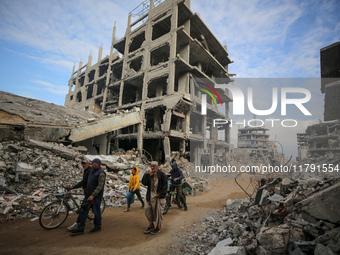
{"x":137,"y":192}
{"x":179,"y":192}
{"x":97,"y":215}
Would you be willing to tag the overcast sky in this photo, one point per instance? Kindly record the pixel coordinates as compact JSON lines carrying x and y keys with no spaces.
{"x":40,"y":41}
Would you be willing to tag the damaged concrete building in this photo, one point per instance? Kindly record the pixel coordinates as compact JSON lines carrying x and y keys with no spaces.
{"x":324,"y":137}
{"x":254,"y":146}
{"x":153,"y":71}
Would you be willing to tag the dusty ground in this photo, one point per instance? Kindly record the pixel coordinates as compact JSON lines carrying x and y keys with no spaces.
{"x":122,"y":233}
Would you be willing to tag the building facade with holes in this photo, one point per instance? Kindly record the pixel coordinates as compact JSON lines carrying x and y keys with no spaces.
{"x":153,"y":70}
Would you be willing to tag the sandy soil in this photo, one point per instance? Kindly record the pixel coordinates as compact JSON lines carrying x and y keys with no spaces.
{"x":122,"y":233}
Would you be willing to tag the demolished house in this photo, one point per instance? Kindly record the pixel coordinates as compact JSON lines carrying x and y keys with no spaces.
{"x":153,"y":69}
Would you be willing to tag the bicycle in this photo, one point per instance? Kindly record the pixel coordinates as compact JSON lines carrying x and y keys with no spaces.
{"x":55,"y":213}
{"x":172,"y":197}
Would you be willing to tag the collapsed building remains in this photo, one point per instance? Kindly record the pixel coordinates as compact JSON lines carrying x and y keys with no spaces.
{"x":254,"y":147}
{"x":324,"y":138}
{"x":153,"y":69}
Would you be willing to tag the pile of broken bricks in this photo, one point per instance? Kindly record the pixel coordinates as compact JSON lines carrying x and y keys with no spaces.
{"x":31,"y":172}
{"x":290,"y":217}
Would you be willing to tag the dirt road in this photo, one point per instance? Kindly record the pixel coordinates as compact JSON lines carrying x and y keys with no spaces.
{"x":122,"y":233}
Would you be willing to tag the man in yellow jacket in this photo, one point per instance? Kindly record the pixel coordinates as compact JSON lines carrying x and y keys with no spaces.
{"x":134,"y":188}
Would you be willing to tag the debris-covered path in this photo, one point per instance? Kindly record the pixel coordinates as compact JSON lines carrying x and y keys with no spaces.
{"x":122,"y":233}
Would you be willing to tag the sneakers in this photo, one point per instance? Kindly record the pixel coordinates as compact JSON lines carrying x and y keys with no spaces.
{"x":74,"y":226}
{"x":148,"y":230}
{"x":95,"y":230}
{"x":155,"y":231}
{"x":77,"y":232}
{"x":142,"y":207}
{"x":185,"y":207}
{"x":126,"y":210}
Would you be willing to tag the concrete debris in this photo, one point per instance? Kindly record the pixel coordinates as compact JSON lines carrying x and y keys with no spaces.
{"x":284,"y":222}
{"x":31,"y":172}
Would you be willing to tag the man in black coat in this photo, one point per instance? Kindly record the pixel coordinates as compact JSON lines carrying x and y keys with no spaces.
{"x":157,"y":183}
{"x":87,"y":169}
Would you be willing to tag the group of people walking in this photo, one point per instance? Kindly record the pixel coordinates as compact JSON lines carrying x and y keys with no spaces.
{"x":155,"y":180}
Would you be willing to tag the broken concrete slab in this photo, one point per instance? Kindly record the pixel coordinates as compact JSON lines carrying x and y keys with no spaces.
{"x":228,"y":250}
{"x":322,"y":250}
{"x":324,"y":205}
{"x":62,"y":151}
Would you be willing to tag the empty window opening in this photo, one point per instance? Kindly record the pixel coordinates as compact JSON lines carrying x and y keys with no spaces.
{"x":100,"y":87}
{"x":133,"y":90}
{"x":137,"y":42}
{"x":136,"y":64}
{"x":89,"y":91}
{"x":103,"y":69}
{"x":79,"y":97}
{"x":71,"y":98}
{"x":81,"y":81}
{"x":97,"y":106}
{"x":73,"y":86}
{"x":160,"y":55}
{"x":91,"y":75}
{"x":161,"y":28}
{"x":175,"y":144}
{"x":155,"y":148}
{"x":116,"y":72}
{"x":113,"y":96}
{"x":130,"y":129}
{"x":154,"y":118}
{"x":196,"y":124}
{"x":127,"y":144}
{"x":176,"y":123}
{"x":158,"y":87}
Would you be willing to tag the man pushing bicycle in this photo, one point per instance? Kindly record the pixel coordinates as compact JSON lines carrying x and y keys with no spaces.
{"x":176,"y":179}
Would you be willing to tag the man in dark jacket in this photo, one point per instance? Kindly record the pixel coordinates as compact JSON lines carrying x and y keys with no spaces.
{"x":93,"y":192}
{"x":87,"y":169}
{"x":157,"y":183}
{"x":176,"y":179}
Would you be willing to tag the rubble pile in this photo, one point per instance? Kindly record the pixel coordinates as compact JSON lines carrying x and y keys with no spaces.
{"x":285,"y":217}
{"x":31,"y":172}
{"x":330,"y":157}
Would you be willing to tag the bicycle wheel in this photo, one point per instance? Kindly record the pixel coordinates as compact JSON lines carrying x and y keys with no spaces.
{"x":102,"y":208}
{"x":53,"y":215}
{"x":167,"y":204}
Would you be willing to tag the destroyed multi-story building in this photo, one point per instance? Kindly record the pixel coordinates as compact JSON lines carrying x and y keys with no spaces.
{"x":254,"y":146}
{"x":330,"y":80}
{"x":324,"y":137}
{"x":150,"y":79}
{"x":302,"y":142}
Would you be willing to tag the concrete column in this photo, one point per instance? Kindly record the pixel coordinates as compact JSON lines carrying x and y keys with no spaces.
{"x":95,"y":88}
{"x":212,"y":154}
{"x":108,"y":72}
{"x":167,"y":120}
{"x":78,"y":74}
{"x":140,"y":138}
{"x":182,"y":146}
{"x":100,"y":52}
{"x":167,"y":149}
{"x":173,"y":46}
{"x":86,"y":79}
{"x":204,"y":132}
{"x":70,"y":82}
{"x":126,"y":51}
